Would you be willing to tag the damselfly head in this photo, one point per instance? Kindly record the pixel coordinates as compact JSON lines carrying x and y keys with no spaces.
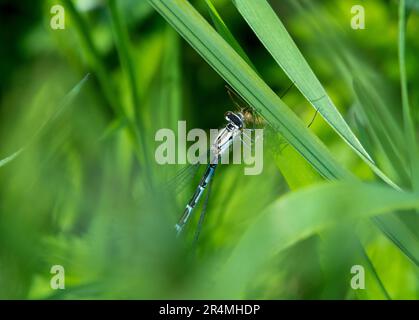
{"x":235,"y":118}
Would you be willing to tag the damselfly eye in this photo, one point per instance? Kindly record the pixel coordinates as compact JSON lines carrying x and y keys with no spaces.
{"x":227,"y":115}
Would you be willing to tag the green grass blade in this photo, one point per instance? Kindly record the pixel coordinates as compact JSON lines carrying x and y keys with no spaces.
{"x":344,"y":57}
{"x":272,"y":33}
{"x":67,"y":100}
{"x":385,"y":133}
{"x":93,"y":56}
{"x":171,"y":79}
{"x":10,"y":158}
{"x":373,"y":271}
{"x":108,"y":89}
{"x":401,"y":235}
{"x":340,"y":249}
{"x":303,"y":213}
{"x":124,"y":51}
{"x":242,"y":78}
{"x":122,"y":44}
{"x":225,"y":32}
{"x":295,"y":170}
{"x":407,"y":119}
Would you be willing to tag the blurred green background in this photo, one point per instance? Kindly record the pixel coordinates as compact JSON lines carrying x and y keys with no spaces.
{"x":86,"y":193}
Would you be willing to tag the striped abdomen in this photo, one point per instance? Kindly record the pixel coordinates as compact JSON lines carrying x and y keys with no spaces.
{"x":209,"y":173}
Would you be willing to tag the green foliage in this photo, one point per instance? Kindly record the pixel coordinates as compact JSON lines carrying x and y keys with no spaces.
{"x":80,"y":187}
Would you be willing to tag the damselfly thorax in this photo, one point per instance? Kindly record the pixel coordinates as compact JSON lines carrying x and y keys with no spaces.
{"x":225,"y":138}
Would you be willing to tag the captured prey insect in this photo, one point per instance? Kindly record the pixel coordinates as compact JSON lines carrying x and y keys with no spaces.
{"x":233,"y":129}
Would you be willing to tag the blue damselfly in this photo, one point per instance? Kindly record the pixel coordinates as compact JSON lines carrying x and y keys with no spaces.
{"x":236,"y":123}
{"x":233,"y":129}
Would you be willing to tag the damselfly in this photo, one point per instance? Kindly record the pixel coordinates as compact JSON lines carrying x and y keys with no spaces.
{"x":236,"y":122}
{"x":233,"y":129}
